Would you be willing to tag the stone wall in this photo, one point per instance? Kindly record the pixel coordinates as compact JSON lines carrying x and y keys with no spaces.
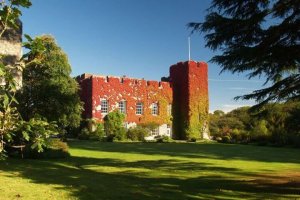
{"x":11,"y":44}
{"x":11,"y":50}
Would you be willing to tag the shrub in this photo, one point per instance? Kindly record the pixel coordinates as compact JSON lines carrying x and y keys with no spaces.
{"x":84,"y":134}
{"x":113,"y":126}
{"x":35,"y":134}
{"x":226,"y":139}
{"x":55,"y":149}
{"x":193,"y":139}
{"x":110,"y":138}
{"x":90,"y":131}
{"x":98,"y":134}
{"x":137,"y":134}
{"x":163,"y":139}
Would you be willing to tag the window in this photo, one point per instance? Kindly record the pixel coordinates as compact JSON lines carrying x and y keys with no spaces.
{"x":139,"y":108}
{"x":169,"y":109}
{"x":154,"y":109}
{"x":104,"y":106}
{"x":168,"y":129}
{"x":154,"y":131}
{"x":122,"y":106}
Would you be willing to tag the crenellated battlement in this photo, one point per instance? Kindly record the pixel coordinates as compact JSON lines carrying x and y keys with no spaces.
{"x":116,"y":80}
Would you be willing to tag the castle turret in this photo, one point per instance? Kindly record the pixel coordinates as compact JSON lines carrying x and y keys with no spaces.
{"x":190,"y":99}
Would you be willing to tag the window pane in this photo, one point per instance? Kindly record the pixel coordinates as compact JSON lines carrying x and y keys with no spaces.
{"x":139,"y":108}
{"x":104,"y":106}
{"x":154,"y":131}
{"x":154,"y":110}
{"x":122,"y":107}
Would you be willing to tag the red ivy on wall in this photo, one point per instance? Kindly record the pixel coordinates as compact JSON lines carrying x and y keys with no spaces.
{"x":116,"y":89}
{"x":187,"y":91}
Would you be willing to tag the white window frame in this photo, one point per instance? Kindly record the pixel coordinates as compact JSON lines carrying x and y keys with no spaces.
{"x":154,"y":132}
{"x":123,"y":106}
{"x":154,"y":108}
{"x":104,"y":106}
{"x":139,"y":108}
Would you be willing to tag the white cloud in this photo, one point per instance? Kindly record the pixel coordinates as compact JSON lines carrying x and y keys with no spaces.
{"x":229,"y":107}
{"x":234,"y":80}
{"x":240,"y":88}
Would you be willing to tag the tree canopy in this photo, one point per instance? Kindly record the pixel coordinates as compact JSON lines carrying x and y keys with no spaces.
{"x":48,"y":90}
{"x":260,"y":37}
{"x":275,"y":124}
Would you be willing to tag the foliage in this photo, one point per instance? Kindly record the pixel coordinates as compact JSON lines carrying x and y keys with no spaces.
{"x":55,"y":149}
{"x":276,"y":124}
{"x":35,"y":134}
{"x":150,"y":125}
{"x":88,"y":134}
{"x":137,"y":133}
{"x":163,"y":139}
{"x":9,"y":115}
{"x":48,"y":89}
{"x":113,"y":125}
{"x":98,"y":134}
{"x":260,"y":37}
{"x":260,"y":131}
{"x":193,"y":139}
{"x":84,"y":134}
{"x":10,"y":11}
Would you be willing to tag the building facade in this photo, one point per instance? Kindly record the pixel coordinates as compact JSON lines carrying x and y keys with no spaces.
{"x":179,"y":106}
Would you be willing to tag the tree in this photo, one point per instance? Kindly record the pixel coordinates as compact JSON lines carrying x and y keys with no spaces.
{"x":48,"y":90}
{"x":9,"y":115}
{"x":10,"y":11}
{"x":113,"y":125}
{"x":260,"y":37}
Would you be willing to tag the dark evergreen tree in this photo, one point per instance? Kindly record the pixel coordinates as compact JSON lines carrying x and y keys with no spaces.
{"x":260,"y":37}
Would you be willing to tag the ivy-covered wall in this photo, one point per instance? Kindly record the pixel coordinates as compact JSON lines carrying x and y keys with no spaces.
{"x":187,"y":92}
{"x":190,"y":99}
{"x":116,"y":89}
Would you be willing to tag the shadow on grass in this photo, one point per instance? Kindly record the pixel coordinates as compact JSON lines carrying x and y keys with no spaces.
{"x":87,"y":178}
{"x":196,"y":150}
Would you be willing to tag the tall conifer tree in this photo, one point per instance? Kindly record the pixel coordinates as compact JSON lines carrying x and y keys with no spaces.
{"x":261,"y":37}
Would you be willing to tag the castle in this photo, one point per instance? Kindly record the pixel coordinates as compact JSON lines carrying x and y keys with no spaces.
{"x":178,"y":106}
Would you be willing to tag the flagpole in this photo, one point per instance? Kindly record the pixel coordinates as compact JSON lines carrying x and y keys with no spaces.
{"x":189,"y":41}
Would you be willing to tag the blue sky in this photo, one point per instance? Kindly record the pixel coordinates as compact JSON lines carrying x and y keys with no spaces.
{"x":136,"y":38}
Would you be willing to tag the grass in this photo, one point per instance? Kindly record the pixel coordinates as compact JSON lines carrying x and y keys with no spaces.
{"x":156,"y":171}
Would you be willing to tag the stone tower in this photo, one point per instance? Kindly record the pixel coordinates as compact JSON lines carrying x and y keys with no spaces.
{"x":11,"y":49}
{"x":190,"y":100}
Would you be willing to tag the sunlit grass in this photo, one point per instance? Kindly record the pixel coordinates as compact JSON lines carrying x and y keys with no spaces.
{"x":156,"y":171}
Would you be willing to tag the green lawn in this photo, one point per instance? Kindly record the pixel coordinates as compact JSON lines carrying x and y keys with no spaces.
{"x":156,"y":171}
